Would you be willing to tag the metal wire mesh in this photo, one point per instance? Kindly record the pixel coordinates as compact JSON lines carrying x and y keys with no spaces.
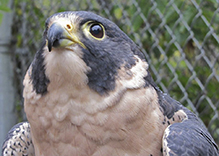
{"x":179,"y":39}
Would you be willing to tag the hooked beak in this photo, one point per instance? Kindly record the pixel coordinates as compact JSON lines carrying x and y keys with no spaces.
{"x":61,"y":35}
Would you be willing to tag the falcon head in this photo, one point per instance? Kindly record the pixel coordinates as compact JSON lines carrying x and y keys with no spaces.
{"x":84,"y":48}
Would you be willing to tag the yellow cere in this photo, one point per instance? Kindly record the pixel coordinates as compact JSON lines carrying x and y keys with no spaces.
{"x":70,"y":33}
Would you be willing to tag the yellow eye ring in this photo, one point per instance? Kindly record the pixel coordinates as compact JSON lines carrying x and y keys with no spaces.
{"x":94,"y":29}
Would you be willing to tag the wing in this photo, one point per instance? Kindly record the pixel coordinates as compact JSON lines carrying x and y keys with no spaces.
{"x":188,"y":138}
{"x":18,"y":141}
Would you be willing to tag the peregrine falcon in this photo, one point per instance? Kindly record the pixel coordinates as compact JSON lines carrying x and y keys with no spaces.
{"x":88,"y":92}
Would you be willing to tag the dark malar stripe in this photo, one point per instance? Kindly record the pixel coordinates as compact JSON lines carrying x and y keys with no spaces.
{"x":38,"y":76}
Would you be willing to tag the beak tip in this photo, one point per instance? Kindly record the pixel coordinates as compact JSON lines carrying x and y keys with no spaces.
{"x":55,"y":32}
{"x":49,"y":46}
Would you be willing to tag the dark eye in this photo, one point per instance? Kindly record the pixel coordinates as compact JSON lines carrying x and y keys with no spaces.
{"x":96,"y":30}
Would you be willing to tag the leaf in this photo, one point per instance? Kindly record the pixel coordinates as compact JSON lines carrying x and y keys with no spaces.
{"x":118,"y":13}
{"x":4,"y":8}
{"x":1,"y":16}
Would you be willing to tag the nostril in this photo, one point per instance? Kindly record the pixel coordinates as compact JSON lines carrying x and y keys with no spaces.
{"x":68,"y":26}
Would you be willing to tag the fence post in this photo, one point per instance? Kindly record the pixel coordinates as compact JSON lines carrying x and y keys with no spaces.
{"x":7,"y":91}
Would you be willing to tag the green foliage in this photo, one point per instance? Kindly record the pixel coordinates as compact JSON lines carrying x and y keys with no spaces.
{"x":3,"y":8}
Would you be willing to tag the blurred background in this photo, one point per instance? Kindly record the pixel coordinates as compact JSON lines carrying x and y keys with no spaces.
{"x":180,"y":40}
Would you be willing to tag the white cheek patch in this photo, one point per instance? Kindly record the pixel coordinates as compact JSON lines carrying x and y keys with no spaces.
{"x":133,"y":78}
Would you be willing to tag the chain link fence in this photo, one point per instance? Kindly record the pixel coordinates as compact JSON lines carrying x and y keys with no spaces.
{"x":178,"y":37}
